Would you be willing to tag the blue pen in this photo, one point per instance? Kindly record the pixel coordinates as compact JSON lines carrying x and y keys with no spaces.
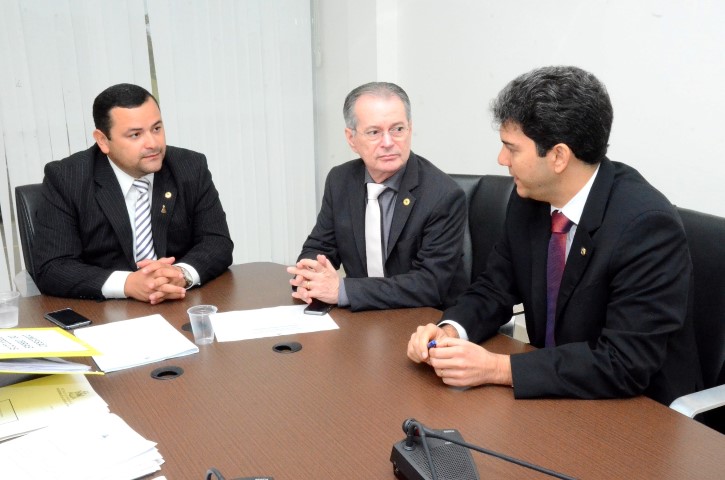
{"x":432,"y":344}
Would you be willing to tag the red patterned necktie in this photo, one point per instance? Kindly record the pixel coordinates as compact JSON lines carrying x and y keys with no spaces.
{"x":560,"y":226}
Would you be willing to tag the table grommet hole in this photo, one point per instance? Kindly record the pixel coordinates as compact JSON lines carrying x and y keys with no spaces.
{"x":287,"y":347}
{"x":167,"y":373}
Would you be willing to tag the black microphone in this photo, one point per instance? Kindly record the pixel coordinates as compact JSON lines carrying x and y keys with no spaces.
{"x":409,"y":430}
{"x":438,"y":459}
{"x":413,"y":428}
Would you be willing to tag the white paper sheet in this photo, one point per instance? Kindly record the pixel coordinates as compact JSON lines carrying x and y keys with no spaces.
{"x":139,"y":341}
{"x":89,"y":447}
{"x":268,"y":322}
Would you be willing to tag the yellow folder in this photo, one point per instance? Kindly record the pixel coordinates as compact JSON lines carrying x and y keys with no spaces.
{"x":42,"y":350}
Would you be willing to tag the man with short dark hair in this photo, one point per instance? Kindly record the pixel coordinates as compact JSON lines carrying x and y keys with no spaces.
{"x":130,"y":216}
{"x":597,"y":256}
{"x":392,"y":219}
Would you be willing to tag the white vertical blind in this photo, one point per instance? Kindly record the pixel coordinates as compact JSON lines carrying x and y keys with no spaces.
{"x":56,"y":55}
{"x":234,"y":80}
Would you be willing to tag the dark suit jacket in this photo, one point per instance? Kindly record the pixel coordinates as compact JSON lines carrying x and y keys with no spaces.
{"x":621,"y":325}
{"x":424,"y":266}
{"x":84,"y":232}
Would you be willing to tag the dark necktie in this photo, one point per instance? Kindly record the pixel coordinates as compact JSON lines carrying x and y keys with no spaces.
{"x":555,"y":262}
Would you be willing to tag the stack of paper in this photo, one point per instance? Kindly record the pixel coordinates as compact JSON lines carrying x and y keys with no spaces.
{"x":91,"y":447}
{"x":35,"y":350}
{"x":139,"y":341}
{"x":31,"y":405}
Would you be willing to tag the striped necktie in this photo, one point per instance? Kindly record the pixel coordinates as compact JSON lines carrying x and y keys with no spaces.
{"x":144,"y":238}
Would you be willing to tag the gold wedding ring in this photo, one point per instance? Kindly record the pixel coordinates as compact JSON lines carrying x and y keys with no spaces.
{"x":307,"y":284}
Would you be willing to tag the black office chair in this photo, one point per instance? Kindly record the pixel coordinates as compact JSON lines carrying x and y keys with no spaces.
{"x":27,"y":201}
{"x":487,"y":197}
{"x":706,"y":240}
{"x":486,"y":216}
{"x":469,"y":184}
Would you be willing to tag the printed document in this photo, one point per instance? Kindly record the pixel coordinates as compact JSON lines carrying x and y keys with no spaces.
{"x":36,"y":403}
{"x":139,"y":341}
{"x":98,"y":446}
{"x":39,"y":350}
{"x":268,"y":322}
{"x":42,"y":342}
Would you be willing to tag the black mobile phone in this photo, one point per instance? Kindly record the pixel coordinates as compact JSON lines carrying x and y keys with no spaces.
{"x":318,"y":308}
{"x":67,"y":319}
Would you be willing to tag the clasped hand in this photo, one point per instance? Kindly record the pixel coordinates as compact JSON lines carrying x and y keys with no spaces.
{"x":156,"y":281}
{"x":457,"y":362}
{"x":315,"y":279}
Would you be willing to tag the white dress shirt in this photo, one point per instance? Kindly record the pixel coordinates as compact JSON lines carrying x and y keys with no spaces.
{"x":114,"y":285}
{"x":573,"y":211}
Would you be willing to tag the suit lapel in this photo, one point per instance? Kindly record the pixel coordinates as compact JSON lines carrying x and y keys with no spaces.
{"x":582,"y":247}
{"x":113,"y":205}
{"x":356,"y":199}
{"x":164,"y":195}
{"x":539,"y":233}
{"x":404,"y":202}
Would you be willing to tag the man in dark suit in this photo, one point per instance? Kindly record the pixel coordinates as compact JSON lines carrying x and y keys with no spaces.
{"x":616,"y":323}
{"x":401,"y":249}
{"x":92,"y":236}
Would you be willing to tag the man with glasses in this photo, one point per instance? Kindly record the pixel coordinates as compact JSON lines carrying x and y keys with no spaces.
{"x":391,"y":219}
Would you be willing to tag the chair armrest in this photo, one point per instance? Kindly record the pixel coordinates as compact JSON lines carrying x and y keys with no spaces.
{"x":508,"y":328}
{"x":699,"y":402}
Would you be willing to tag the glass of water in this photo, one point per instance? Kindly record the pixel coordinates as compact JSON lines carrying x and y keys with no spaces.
{"x":9,"y":309}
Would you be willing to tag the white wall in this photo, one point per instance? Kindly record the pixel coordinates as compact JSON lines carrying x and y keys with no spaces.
{"x":343,"y":50}
{"x":662,"y":62}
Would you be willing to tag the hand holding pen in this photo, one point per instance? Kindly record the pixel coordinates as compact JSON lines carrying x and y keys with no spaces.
{"x":424,"y":338}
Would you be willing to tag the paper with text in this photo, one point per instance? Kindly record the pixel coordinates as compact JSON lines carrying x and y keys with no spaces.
{"x":268,"y":322}
{"x":134,"y":342}
{"x":34,"y":404}
{"x":42,"y":342}
{"x":95,"y":447}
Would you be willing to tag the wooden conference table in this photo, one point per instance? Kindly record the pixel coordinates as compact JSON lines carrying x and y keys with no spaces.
{"x":335,"y":408}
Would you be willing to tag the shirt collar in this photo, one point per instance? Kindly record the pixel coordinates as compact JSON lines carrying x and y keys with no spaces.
{"x":575,"y":207}
{"x":392,"y":182}
{"x":125,"y":181}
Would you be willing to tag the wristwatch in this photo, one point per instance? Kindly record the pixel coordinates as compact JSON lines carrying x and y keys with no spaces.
{"x":187,"y":278}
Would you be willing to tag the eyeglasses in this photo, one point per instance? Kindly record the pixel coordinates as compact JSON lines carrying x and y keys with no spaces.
{"x":376,"y":134}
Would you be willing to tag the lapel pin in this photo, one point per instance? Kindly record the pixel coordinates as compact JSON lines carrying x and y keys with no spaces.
{"x":167,"y":194}
{"x":583,"y":251}
{"x":406,"y":202}
{"x":163,"y":208}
